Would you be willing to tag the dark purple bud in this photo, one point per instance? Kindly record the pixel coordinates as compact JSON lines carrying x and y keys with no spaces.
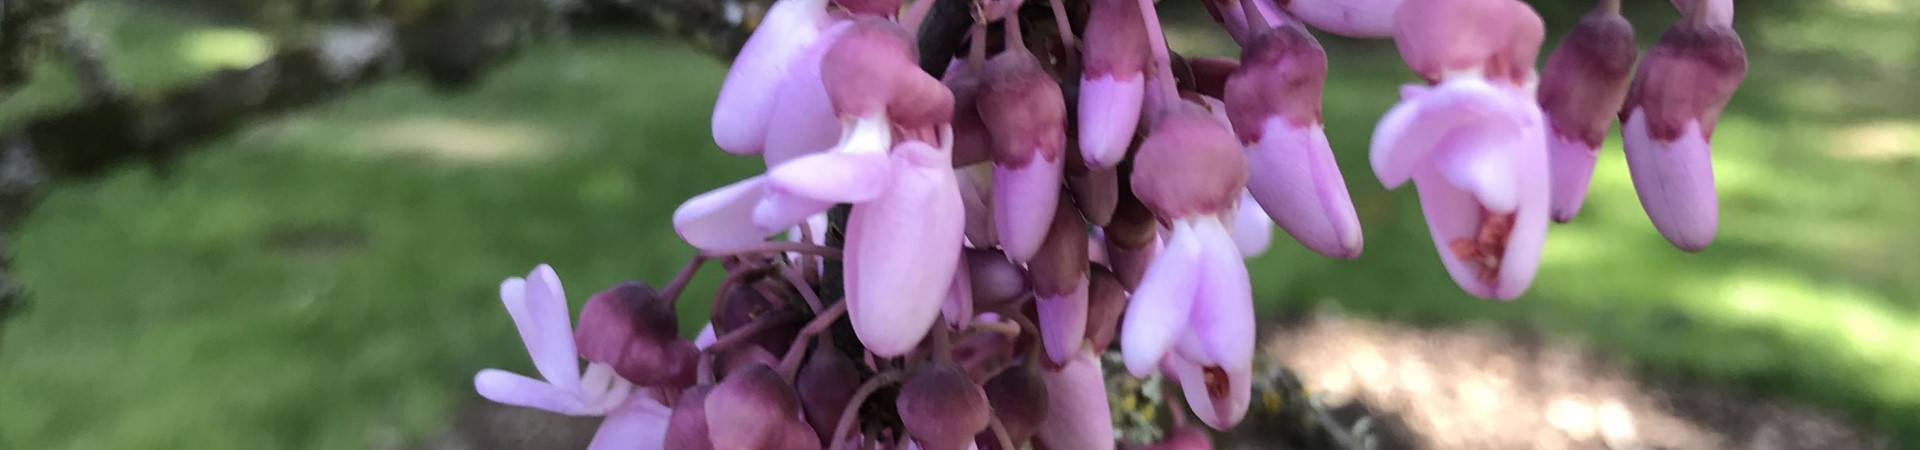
{"x":1190,"y":164}
{"x":1116,"y":39}
{"x":1019,"y":399}
{"x":826,"y":384}
{"x":996,"y":280}
{"x":1106,"y":300}
{"x":743,"y":305}
{"x":1130,"y":237}
{"x":1281,"y":74}
{"x":871,"y":70}
{"x":743,"y":356}
{"x":972,"y":144}
{"x":942,"y":408}
{"x":1581,"y":91}
{"x":984,"y":353}
{"x":753,"y":408}
{"x":631,"y":328}
{"x":1690,"y":75}
{"x":687,"y":427}
{"x":1210,"y":74}
{"x":1023,"y":109}
{"x":1096,"y":191}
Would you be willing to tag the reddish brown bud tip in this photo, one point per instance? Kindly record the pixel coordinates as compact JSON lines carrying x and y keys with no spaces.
{"x":942,"y":408}
{"x":1023,"y":109}
{"x":1190,"y":164}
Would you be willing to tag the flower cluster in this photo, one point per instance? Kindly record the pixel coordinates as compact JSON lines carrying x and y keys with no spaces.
{"x":1071,"y":184}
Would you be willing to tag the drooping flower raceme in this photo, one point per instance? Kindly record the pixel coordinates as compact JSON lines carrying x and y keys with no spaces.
{"x":997,"y":229}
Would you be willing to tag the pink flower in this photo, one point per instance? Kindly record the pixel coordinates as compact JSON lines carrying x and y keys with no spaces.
{"x":903,"y":249}
{"x":1475,"y":143}
{"x":1274,"y":101}
{"x":538,"y":306}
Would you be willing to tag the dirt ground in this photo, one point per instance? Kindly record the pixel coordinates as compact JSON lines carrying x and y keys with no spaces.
{"x":1502,"y":389}
{"x":1477,"y":389}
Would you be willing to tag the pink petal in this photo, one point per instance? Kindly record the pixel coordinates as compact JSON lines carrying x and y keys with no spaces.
{"x":1484,"y":166}
{"x":744,"y":107}
{"x":779,"y":209}
{"x":1351,"y":18}
{"x":1078,"y":417}
{"x":1109,"y":110}
{"x":1223,"y":317}
{"x":1451,"y":214}
{"x":1572,"y":162}
{"x":1063,"y":323}
{"x":1252,"y":231}
{"x":706,"y":337}
{"x":902,"y":249}
{"x":1219,"y":408}
{"x":551,"y":345}
{"x":854,"y":172}
{"x":1023,"y":203}
{"x":1157,"y":313}
{"x":1413,"y":129}
{"x":641,"y":422}
{"x":976,"y":196}
{"x":723,"y":218}
{"x":803,"y":113}
{"x":602,"y":390}
{"x":513,"y":389}
{"x":1455,"y":214}
{"x":1293,"y":176}
{"x":958,"y":307}
{"x":1675,"y":182}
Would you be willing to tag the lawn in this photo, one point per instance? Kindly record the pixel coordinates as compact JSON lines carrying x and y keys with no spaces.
{"x":327,"y":279}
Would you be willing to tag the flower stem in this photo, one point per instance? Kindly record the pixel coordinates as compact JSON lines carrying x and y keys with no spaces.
{"x":1000,"y":431}
{"x":778,"y":247}
{"x":859,"y":397}
{"x":790,"y":363}
{"x":746,"y":333}
{"x":806,"y":290}
{"x":679,"y":283}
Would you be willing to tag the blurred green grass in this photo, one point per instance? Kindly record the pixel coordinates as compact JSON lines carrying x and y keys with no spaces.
{"x":327,"y":279}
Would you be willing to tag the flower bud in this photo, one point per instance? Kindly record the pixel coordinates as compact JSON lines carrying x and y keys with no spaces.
{"x":1499,"y":39}
{"x":743,"y":305}
{"x":996,"y":281}
{"x":1132,"y":237}
{"x":1671,"y":110}
{"x":983,"y":354}
{"x":1189,"y":164}
{"x":1019,"y":399}
{"x":1077,"y":412}
{"x":1026,"y":114}
{"x":1274,"y":103}
{"x":942,"y":408}
{"x":754,"y":409}
{"x":632,"y":329}
{"x":687,"y":426}
{"x":1095,"y":191}
{"x":826,"y":385}
{"x":1059,"y":273}
{"x":1106,"y":300}
{"x":1112,"y":81}
{"x":1210,"y":74}
{"x":1581,"y":91}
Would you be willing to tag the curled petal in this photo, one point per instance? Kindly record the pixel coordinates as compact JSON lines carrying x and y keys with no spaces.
{"x":1485,"y":168}
{"x":1078,"y":416}
{"x":1158,"y":311}
{"x":1109,"y":110}
{"x":902,"y":249}
{"x":1024,"y":198}
{"x":1674,"y":179}
{"x":780,"y":209}
{"x":1490,"y":254}
{"x":1218,"y":395}
{"x":854,"y":172}
{"x":639,"y":423}
{"x":744,"y":108}
{"x":545,"y":327}
{"x":513,"y":389}
{"x":1413,"y":129}
{"x":1294,"y":178}
{"x":705,"y":338}
{"x":723,"y":219}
